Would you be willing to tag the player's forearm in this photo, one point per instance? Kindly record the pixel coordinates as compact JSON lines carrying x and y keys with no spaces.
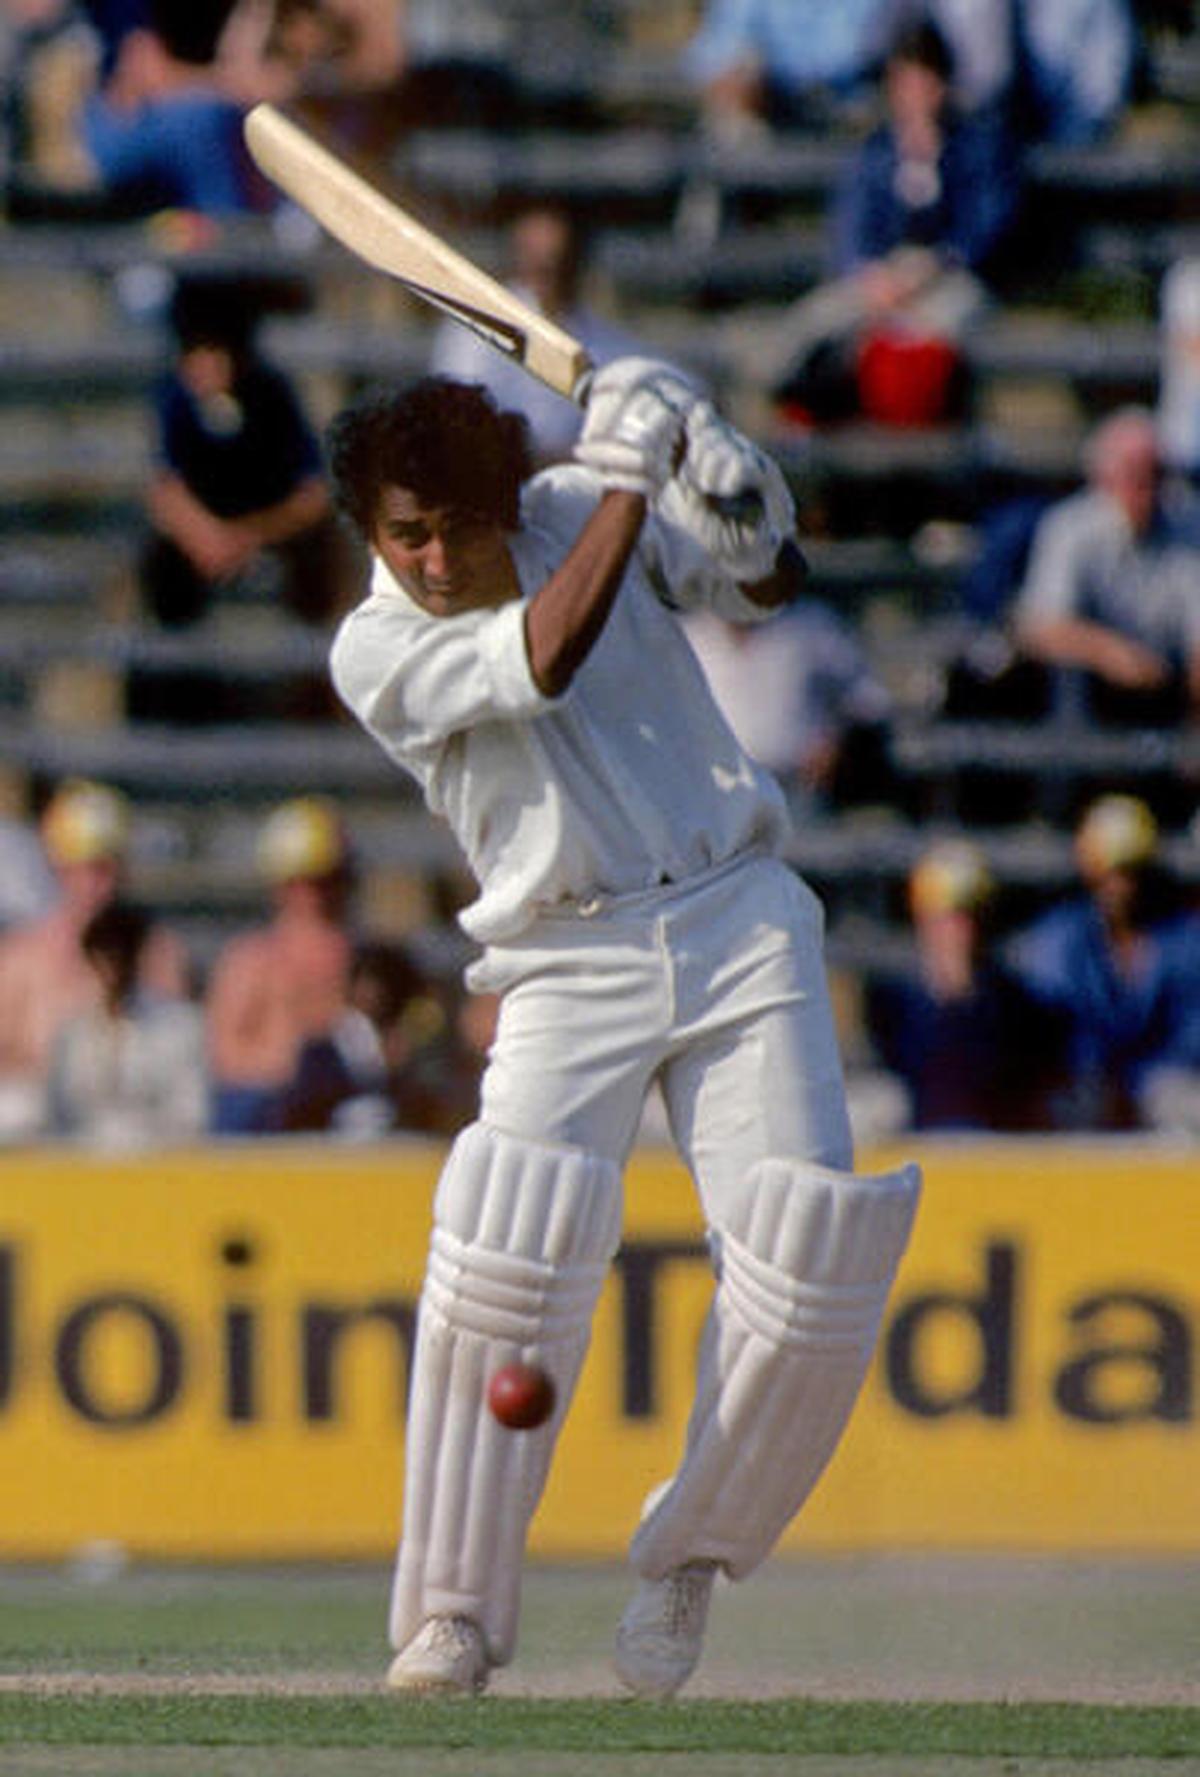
{"x":564,"y":620}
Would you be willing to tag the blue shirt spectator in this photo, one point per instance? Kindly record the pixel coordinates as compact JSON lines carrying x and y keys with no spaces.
{"x":1121,"y":964}
{"x":1122,"y":1026}
{"x":961,"y":205}
{"x":237,"y":468}
{"x":963,"y":1060}
{"x":799,"y":42}
{"x":113,"y":21}
{"x":761,"y":61}
{"x":959,"y":1029}
{"x":1077,"y":59}
{"x":239,"y":473}
{"x":919,"y":221}
{"x":982,"y":36}
{"x":160,"y":129}
{"x":182,"y":152}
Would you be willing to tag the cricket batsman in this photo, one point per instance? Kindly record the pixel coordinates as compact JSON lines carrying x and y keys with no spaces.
{"x":519,"y":653}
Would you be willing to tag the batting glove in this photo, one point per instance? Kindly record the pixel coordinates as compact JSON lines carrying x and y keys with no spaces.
{"x":633,"y":429}
{"x":627,"y":374}
{"x":731,"y":497}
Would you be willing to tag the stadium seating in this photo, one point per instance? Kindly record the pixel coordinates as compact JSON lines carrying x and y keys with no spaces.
{"x":687,"y":242}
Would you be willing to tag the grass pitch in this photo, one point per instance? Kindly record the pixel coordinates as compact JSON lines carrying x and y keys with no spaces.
{"x":857,"y":1667}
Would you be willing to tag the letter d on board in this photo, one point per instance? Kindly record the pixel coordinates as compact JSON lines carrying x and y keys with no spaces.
{"x":992,"y":1315}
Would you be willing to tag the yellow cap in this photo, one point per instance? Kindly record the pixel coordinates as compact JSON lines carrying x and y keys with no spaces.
{"x":302,"y":838}
{"x":1117,"y":833}
{"x":84,"y":822}
{"x":952,"y":877}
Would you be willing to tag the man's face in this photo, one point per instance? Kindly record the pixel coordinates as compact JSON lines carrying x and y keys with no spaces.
{"x":87,"y":887}
{"x":447,"y":560}
{"x":543,"y":260}
{"x":1132,"y":476}
{"x":916,"y":95}
{"x":207,"y":371}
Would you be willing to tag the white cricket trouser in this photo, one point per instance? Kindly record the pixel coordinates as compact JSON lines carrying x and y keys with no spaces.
{"x":715,"y":986}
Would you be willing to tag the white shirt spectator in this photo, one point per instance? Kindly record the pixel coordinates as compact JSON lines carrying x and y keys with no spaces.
{"x":554,"y":421}
{"x":1086,"y":563}
{"x":130,"y":1080}
{"x":1179,"y":371}
{"x":788,"y":687}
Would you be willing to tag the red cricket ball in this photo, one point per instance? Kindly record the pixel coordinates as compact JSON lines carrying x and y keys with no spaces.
{"x":521,"y":1396}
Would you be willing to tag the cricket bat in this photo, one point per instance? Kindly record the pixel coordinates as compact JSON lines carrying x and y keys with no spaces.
{"x":380,"y":231}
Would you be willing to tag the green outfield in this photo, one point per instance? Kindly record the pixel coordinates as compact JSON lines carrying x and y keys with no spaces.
{"x":865,"y":1666}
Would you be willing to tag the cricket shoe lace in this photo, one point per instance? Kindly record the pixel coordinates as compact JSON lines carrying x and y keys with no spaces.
{"x":661,"y":1635}
{"x":446,"y":1654}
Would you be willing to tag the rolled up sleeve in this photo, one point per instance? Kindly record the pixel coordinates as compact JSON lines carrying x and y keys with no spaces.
{"x":417,"y":679}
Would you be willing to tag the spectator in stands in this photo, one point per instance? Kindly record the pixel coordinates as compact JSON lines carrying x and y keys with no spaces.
{"x":113,"y":21}
{"x":129,"y":1069}
{"x":1120,"y":964}
{"x":160,"y":130}
{"x":760,"y":64}
{"x":239,"y":480}
{"x":372,"y":69}
{"x":462,"y":64}
{"x":919,"y":222}
{"x":961,"y":1032}
{"x":802,"y":698}
{"x":393,"y":1061}
{"x":27,"y":885}
{"x":1112,"y":593}
{"x":340,"y":61}
{"x":44,"y":975}
{"x":1077,"y":60}
{"x":283,"y":983}
{"x":547,"y":269}
{"x":1179,"y":370}
{"x":982,"y":38}
{"x":48,"y":70}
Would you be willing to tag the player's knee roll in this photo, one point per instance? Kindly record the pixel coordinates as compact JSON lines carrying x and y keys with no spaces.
{"x":523,"y":1235}
{"x":805,"y":1258}
{"x":806,"y":1254}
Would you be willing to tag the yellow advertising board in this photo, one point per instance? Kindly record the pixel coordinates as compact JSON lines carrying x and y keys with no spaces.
{"x":204,"y":1354}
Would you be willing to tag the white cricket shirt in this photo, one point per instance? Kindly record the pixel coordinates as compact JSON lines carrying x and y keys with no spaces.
{"x":631,"y":778}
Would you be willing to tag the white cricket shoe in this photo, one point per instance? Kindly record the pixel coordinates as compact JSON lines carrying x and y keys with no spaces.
{"x":660,"y":1637}
{"x":446,"y":1654}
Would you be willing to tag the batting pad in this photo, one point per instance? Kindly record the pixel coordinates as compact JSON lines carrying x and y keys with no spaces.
{"x":805,"y":1259}
{"x":522,"y":1240}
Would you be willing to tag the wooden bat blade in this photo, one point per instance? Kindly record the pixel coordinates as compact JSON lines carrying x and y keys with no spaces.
{"x":380,"y":231}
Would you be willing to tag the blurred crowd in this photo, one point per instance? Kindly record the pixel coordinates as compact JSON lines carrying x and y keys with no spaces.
{"x":1085,"y":1016}
{"x":140,"y":100}
{"x":137,"y":104}
{"x":1080,"y":608}
{"x":110,"y":1032}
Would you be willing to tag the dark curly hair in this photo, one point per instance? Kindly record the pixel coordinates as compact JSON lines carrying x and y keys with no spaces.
{"x":445,"y":441}
{"x":923,"y":43}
